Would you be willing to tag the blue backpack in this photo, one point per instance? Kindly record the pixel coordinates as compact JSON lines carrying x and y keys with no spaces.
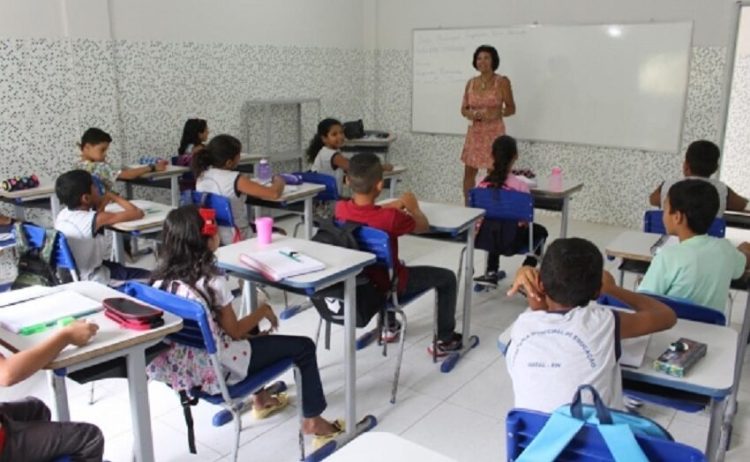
{"x":618,"y":429}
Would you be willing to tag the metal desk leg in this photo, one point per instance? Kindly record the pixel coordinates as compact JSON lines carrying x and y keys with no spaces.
{"x":257,"y":212}
{"x":128,"y":190}
{"x":731,"y":408}
{"x":175,"y":191}
{"x":308,"y":218}
{"x":713,"y":452}
{"x":118,"y":247}
{"x":249,"y":297}
{"x":469,"y":341}
{"x":60,"y":409}
{"x":564,"y":219}
{"x":54,"y":206}
{"x":20,"y":211}
{"x":350,"y":367}
{"x":143,"y":446}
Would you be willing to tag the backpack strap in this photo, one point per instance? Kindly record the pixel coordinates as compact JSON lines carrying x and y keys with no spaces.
{"x":48,"y":246}
{"x":552,"y":439}
{"x":187,"y":401}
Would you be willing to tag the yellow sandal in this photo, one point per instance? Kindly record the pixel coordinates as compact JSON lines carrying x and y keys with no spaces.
{"x":320,"y":440}
{"x":283,"y":400}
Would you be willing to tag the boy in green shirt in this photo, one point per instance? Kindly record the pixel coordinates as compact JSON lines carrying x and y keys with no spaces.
{"x":700,"y":268}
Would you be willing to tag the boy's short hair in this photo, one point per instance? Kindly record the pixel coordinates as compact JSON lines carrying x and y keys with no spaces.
{"x":571,"y":272}
{"x":365,"y":170}
{"x":698,"y":200}
{"x":702,"y":157}
{"x":95,"y":136}
{"x":71,"y":186}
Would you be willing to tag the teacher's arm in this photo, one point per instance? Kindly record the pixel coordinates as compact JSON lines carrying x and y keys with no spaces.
{"x":465,"y":109}
{"x":509,"y":105}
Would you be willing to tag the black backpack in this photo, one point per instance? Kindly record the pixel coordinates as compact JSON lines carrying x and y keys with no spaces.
{"x":35,"y":264}
{"x":330,"y":301}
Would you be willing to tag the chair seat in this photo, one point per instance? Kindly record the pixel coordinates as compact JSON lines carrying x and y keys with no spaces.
{"x":634,"y":266}
{"x":251,"y":383}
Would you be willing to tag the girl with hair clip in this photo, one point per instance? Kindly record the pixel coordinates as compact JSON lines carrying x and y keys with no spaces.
{"x":324,"y":153}
{"x":505,"y":154}
{"x":187,"y":267}
{"x":194,"y":137}
{"x":213,"y":168}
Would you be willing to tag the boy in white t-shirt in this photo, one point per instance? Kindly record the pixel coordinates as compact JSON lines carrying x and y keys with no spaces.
{"x":83,"y":221}
{"x":563,"y":340}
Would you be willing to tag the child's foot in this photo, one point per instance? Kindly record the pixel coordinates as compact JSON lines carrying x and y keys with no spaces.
{"x":265,"y":404}
{"x":392,"y":332}
{"x":445,"y":347}
{"x":324,"y":431}
{"x":530,"y":260}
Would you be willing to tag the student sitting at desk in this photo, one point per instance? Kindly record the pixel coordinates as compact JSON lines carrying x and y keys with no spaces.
{"x":700,"y":268}
{"x":214,"y":171}
{"x":94,"y":145}
{"x":187,"y":267}
{"x":194,"y":137}
{"x":324,"y":152}
{"x":26,"y":432}
{"x":397,"y":218}
{"x":702,"y":161}
{"x":83,"y":220}
{"x":563,"y":340}
{"x":495,"y":234}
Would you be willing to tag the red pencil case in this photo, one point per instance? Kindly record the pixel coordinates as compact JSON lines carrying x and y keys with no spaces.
{"x":131,"y":314}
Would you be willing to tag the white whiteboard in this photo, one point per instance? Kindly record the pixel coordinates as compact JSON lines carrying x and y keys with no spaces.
{"x":604,"y":85}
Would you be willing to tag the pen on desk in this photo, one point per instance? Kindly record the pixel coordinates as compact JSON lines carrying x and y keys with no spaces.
{"x":292,"y":255}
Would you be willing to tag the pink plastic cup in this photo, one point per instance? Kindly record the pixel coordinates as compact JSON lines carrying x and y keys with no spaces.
{"x":264,"y":229}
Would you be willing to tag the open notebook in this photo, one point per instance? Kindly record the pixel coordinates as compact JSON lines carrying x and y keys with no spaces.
{"x":281,"y":263}
{"x":40,"y":308}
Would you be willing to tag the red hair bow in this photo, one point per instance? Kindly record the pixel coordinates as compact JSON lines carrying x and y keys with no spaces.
{"x":209,"y":222}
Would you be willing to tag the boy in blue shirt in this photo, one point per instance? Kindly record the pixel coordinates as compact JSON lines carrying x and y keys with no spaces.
{"x":700,"y":268}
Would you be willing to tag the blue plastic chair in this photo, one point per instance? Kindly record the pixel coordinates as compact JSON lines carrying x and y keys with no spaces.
{"x":684,"y":309}
{"x":330,"y":194}
{"x":62,"y":257}
{"x":219,"y":203}
{"x":588,"y":445}
{"x":196,"y":333}
{"x":506,"y":205}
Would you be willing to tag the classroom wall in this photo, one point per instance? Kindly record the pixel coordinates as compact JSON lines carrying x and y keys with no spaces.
{"x":617,"y":181}
{"x":139,"y":68}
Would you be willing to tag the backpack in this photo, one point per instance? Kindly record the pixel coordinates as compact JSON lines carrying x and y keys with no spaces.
{"x":329,"y":302}
{"x":35,"y":264}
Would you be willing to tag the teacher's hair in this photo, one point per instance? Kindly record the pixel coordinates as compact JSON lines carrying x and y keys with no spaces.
{"x":504,"y":150}
{"x":493,"y":54}
{"x":220,"y":149}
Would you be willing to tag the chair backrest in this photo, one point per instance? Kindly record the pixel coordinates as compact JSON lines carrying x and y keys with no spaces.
{"x":331,"y":193}
{"x":62,"y":256}
{"x":653,"y":223}
{"x":376,"y":242}
{"x":682,"y":308}
{"x":501,"y":204}
{"x":522,"y":426}
{"x":219,"y":203}
{"x":196,"y":330}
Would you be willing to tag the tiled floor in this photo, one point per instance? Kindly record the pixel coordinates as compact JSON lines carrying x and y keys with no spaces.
{"x":460,"y":414}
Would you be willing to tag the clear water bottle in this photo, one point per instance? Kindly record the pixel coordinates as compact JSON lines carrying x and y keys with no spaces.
{"x":264,"y":171}
{"x":555,"y":179}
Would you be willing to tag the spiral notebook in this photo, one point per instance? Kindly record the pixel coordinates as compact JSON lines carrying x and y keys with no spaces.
{"x":281,"y":263}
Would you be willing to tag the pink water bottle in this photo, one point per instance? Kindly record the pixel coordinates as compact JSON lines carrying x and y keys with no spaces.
{"x":555,"y":179}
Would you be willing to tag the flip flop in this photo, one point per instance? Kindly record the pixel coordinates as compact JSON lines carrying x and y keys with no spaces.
{"x":320,"y":440}
{"x":283,"y":400}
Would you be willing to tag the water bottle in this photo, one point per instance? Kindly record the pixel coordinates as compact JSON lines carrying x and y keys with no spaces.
{"x":555,"y":179}
{"x":264,"y":172}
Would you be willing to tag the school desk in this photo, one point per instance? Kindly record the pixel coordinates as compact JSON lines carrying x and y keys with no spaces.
{"x":43,"y":196}
{"x":710,"y":377}
{"x":454,"y":220}
{"x":150,"y":225}
{"x":547,"y":197}
{"x":370,"y":143}
{"x":110,"y":342}
{"x":637,"y":245}
{"x":293,"y":194}
{"x":341,"y":265}
{"x":378,"y":446}
{"x":735,"y":219}
{"x":158,"y":179}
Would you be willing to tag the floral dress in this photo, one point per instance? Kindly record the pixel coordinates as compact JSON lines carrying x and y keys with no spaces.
{"x":481,"y":134}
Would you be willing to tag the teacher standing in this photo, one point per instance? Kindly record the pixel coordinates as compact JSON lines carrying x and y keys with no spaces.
{"x":487,"y":99}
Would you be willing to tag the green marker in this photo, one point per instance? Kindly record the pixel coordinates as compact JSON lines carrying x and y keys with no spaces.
{"x":31,"y":330}
{"x":65,"y":321}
